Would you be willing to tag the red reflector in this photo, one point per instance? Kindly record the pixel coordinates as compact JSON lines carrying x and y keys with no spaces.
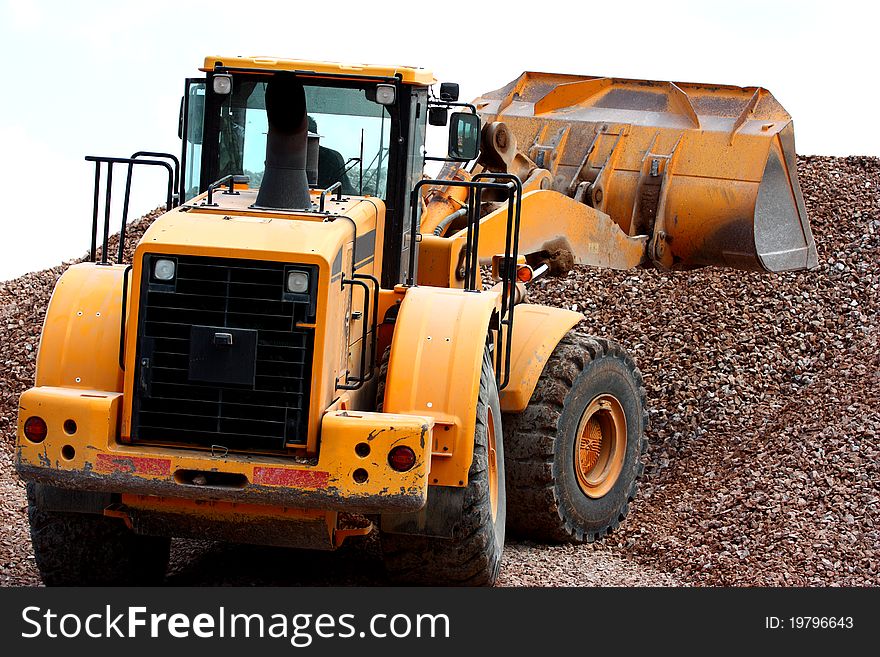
{"x":35,"y":429}
{"x":139,"y":465}
{"x":402,"y":458}
{"x":266,"y":476}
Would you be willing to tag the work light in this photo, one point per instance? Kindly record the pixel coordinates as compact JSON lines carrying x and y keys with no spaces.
{"x":298,"y":282}
{"x":222,"y":84}
{"x":385,"y":94}
{"x":164,"y":269}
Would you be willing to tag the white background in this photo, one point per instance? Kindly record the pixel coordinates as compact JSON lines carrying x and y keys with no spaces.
{"x":106,"y":78}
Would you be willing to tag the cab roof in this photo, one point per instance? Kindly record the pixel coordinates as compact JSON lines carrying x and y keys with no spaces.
{"x":406,"y":74}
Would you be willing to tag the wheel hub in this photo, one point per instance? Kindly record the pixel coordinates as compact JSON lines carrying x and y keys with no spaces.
{"x":600,"y":445}
{"x":591,"y":445}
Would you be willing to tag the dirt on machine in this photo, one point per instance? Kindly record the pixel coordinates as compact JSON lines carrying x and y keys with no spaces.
{"x":302,"y":352}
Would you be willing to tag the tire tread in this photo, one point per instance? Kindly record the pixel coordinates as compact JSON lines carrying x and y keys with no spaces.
{"x":534,"y":510}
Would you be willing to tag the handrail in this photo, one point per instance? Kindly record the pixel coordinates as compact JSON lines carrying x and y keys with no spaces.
{"x":415,"y":209}
{"x":511,"y":252}
{"x":162,"y":156}
{"x":513,"y":188}
{"x":335,"y":187}
{"x":375,"y":323}
{"x":175,"y":196}
{"x":110,"y":161}
{"x":359,"y":380}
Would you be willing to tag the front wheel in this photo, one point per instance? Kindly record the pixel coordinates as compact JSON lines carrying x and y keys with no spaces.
{"x":472,"y":557}
{"x":575,"y":453}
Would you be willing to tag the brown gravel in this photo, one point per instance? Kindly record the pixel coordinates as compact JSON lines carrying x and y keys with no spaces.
{"x":765,"y":436}
{"x":765,"y":396}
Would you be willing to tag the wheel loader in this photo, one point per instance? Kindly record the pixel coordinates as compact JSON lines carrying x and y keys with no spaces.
{"x":316,"y":341}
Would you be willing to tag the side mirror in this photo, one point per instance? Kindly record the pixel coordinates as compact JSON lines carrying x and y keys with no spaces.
{"x":438,"y":115}
{"x":449,"y":91}
{"x":464,"y":137}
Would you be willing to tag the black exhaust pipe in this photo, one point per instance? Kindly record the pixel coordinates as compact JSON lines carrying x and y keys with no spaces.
{"x":285,"y":184}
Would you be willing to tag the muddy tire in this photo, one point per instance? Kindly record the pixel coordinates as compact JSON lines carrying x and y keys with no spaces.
{"x":84,"y":549}
{"x":574,"y":455}
{"x":473,"y":556}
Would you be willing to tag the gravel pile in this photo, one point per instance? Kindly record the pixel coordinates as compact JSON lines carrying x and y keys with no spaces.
{"x":765,"y":436}
{"x":765,"y":397}
{"x":23,"y":304}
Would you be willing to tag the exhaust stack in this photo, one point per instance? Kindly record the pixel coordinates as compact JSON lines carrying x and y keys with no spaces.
{"x":285,"y":183}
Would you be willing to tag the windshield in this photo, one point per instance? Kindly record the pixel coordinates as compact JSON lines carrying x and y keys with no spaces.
{"x":353,"y":132}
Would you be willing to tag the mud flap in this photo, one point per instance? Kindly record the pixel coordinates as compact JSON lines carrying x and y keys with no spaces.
{"x":65,"y":500}
{"x":438,"y":518}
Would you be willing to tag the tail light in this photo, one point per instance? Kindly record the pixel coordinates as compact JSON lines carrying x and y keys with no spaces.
{"x":35,"y":429}
{"x":402,"y":458}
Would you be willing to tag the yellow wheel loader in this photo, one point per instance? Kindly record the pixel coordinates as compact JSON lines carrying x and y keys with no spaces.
{"x":307,"y":346}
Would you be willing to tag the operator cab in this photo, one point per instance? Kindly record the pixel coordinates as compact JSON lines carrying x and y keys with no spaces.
{"x":361,"y":133}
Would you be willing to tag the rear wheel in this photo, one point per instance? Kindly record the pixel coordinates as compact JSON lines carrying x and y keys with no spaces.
{"x":84,"y":549}
{"x":574,"y":456}
{"x":473,"y":555}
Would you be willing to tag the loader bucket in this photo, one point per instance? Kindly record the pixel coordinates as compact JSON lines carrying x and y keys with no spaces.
{"x":707,"y":172}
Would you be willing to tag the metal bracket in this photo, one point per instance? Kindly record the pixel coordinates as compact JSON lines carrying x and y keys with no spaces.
{"x":597,"y":189}
{"x":545,"y":154}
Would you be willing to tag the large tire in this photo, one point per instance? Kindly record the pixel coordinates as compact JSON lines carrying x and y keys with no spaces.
{"x":472,"y":557}
{"x":85,"y":549}
{"x":571,"y":478}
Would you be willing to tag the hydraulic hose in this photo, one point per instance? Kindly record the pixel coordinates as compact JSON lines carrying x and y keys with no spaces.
{"x":438,"y":231}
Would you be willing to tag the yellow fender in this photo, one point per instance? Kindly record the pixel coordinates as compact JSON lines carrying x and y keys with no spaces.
{"x":79,"y":347}
{"x":536,"y":332}
{"x":436,"y":358}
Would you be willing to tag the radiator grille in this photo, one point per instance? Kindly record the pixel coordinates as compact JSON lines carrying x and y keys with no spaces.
{"x":169,"y":408}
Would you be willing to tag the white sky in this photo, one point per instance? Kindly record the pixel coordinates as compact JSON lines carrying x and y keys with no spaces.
{"x":105,"y":78}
